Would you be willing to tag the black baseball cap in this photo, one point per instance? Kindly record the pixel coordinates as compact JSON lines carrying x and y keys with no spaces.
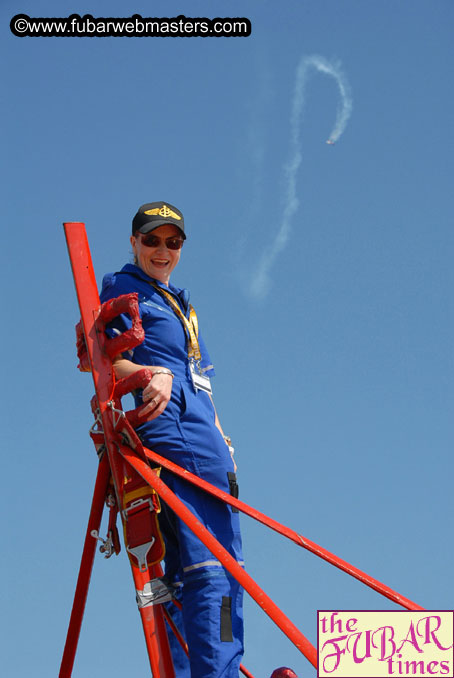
{"x":154,"y":214}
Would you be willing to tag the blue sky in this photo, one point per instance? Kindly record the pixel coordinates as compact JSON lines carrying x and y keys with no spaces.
{"x":336,"y":383}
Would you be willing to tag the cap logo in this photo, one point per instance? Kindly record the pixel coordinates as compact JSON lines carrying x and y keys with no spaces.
{"x":163,"y":211}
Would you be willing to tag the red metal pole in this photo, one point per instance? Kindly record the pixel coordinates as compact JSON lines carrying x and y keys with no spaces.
{"x":176,"y":630}
{"x":286,"y":532}
{"x":152,"y":617}
{"x":89,"y":304}
{"x":104,"y":381}
{"x":260,"y":597}
{"x":86,"y":567}
{"x":245,"y":672}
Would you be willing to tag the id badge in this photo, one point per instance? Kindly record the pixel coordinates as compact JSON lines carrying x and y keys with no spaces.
{"x":200,"y":381}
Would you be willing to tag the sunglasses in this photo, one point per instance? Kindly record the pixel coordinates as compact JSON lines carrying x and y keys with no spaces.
{"x":151,"y":240}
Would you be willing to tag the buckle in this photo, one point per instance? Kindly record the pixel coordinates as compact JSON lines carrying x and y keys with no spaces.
{"x":154,"y":592}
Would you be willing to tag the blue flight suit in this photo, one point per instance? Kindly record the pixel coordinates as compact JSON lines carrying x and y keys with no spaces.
{"x":186,"y":434}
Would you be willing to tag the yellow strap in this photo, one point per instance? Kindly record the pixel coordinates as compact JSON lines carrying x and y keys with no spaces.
{"x":194,"y":320}
{"x":191,"y":326}
{"x":145,"y":491}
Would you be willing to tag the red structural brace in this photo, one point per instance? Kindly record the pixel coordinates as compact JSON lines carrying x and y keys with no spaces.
{"x":285,"y":531}
{"x":230,"y":564}
{"x":95,"y":353}
{"x":85,"y":570}
{"x":93,"y":344}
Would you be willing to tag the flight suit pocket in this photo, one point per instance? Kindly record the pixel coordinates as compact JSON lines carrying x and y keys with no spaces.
{"x":234,"y":490}
{"x":226,"y":620}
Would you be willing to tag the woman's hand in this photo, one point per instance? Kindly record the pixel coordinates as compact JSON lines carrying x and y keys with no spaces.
{"x":156,"y":395}
{"x":228,"y":442}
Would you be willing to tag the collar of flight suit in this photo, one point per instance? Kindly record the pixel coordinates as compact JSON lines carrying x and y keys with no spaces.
{"x":181,"y":294}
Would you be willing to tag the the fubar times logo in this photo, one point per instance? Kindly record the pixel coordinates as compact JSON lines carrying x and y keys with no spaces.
{"x":376,"y":644}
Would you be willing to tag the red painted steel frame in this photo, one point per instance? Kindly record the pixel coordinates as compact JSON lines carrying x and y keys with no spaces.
{"x":86,"y":566}
{"x":285,"y":531}
{"x":152,"y":619}
{"x":230,"y":564}
{"x":101,"y":368}
{"x":102,"y":373}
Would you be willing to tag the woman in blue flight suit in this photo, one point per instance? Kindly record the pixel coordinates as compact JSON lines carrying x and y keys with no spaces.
{"x":182,"y":425}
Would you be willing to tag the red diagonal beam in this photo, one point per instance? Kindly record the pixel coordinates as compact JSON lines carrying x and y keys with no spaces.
{"x":86,"y":567}
{"x":230,"y":564}
{"x":286,"y":532}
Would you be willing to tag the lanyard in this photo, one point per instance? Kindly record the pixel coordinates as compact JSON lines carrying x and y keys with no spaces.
{"x":190,"y":325}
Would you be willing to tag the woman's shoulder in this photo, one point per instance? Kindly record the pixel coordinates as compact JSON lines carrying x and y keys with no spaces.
{"x":126,"y":280}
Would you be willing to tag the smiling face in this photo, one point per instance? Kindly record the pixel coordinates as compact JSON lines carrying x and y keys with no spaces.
{"x":157,"y":262}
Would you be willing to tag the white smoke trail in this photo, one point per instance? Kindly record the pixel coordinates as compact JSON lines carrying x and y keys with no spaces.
{"x":261,"y":282}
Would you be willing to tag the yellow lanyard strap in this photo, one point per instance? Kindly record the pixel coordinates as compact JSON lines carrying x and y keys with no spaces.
{"x":191,"y":326}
